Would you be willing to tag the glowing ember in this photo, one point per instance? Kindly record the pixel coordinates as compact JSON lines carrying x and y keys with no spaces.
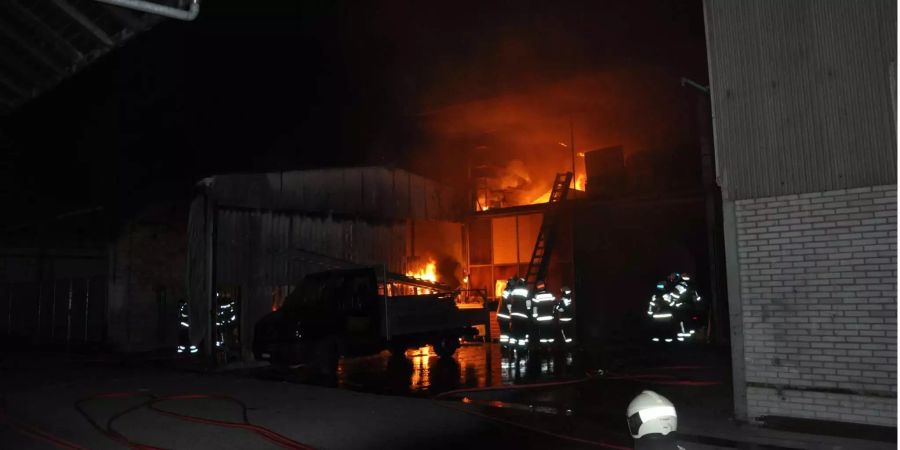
{"x":426,"y":273}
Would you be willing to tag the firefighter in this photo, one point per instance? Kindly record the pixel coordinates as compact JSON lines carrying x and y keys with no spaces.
{"x":565,"y":313}
{"x":520,"y":316}
{"x":504,"y":310}
{"x":226,"y":322}
{"x":673,"y":307}
{"x":543,"y":315}
{"x":184,"y":329}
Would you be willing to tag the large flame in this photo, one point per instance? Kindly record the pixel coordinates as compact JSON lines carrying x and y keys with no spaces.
{"x":428,"y":272}
{"x":579,"y":186}
{"x":580,"y":182}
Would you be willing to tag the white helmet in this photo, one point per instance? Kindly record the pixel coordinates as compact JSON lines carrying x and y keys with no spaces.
{"x":651,"y":413}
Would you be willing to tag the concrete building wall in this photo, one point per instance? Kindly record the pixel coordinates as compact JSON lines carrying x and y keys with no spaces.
{"x":818,"y":285}
{"x":804,"y":110}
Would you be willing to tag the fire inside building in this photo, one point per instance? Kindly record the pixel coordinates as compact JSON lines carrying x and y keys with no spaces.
{"x":268,"y":231}
{"x":563,"y":233}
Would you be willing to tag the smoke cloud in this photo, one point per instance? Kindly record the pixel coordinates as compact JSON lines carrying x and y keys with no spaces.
{"x":527,"y":135}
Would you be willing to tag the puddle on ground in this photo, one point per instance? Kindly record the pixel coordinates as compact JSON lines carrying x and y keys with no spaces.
{"x":423,"y":372}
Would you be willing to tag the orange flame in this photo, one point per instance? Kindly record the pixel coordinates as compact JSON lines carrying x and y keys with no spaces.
{"x":580,"y":182}
{"x":427,"y":273}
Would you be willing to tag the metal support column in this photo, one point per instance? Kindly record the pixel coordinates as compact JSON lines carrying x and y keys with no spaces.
{"x":387,"y":328}
{"x":69,"y":313}
{"x":9,"y":304}
{"x":53,"y":312}
{"x":210,"y":223}
{"x":735,"y":311}
{"x":87,"y":306}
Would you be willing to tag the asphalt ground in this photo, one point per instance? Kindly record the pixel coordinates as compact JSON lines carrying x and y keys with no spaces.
{"x":482,"y":398}
{"x":40,"y":393}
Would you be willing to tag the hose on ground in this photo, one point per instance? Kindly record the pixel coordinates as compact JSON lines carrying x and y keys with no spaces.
{"x":151,"y":402}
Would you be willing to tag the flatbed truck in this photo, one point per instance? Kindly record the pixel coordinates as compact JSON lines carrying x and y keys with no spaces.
{"x":362,"y":311}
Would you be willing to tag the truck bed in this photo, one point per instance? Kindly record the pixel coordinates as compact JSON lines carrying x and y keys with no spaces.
{"x":415,"y":314}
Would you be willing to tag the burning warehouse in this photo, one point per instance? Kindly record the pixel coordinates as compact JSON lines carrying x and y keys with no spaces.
{"x":270,"y":230}
{"x":642,"y":204}
{"x":521,"y":213}
{"x":612,"y":243}
{"x":252,"y":237}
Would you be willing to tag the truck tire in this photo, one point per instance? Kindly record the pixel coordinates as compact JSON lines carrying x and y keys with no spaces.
{"x":446,"y":346}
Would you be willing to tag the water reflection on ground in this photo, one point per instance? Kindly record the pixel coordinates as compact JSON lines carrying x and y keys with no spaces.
{"x":422,"y":372}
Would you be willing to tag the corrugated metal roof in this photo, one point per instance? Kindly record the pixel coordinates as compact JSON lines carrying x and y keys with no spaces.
{"x":372,"y":193}
{"x":42,"y":42}
{"x":801,"y":93}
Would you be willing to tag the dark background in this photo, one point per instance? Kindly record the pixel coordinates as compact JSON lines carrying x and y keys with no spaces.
{"x":278,"y":85}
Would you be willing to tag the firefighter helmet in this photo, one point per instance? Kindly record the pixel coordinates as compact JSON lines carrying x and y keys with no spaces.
{"x":651,"y":413}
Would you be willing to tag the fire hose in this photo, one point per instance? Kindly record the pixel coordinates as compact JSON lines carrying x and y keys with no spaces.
{"x":38,"y":434}
{"x":151,"y":402}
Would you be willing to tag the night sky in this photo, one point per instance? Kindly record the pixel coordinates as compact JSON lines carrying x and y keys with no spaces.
{"x":279,"y":85}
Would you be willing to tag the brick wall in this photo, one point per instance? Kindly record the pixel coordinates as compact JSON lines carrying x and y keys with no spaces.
{"x":818,"y":290}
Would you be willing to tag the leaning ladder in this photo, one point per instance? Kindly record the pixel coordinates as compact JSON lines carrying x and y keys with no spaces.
{"x":540,"y":257}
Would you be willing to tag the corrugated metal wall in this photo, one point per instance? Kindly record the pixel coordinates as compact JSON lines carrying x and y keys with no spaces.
{"x":371,"y":192}
{"x":272,"y":229}
{"x":257,"y":251}
{"x":52,"y":298}
{"x":801,"y":93}
{"x":272,"y":245}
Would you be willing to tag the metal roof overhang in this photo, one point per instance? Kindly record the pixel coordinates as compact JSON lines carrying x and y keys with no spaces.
{"x":43,"y":42}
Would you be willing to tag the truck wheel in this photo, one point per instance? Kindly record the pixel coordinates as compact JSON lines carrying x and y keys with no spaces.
{"x":446,"y":346}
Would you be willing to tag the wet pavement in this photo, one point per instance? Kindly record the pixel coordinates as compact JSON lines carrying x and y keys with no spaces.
{"x":542,"y":401}
{"x":422,"y":373}
{"x":548,"y":391}
{"x":49,"y":401}
{"x":552,"y":394}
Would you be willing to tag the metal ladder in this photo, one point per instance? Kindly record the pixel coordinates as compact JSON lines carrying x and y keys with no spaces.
{"x":540,"y":257}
